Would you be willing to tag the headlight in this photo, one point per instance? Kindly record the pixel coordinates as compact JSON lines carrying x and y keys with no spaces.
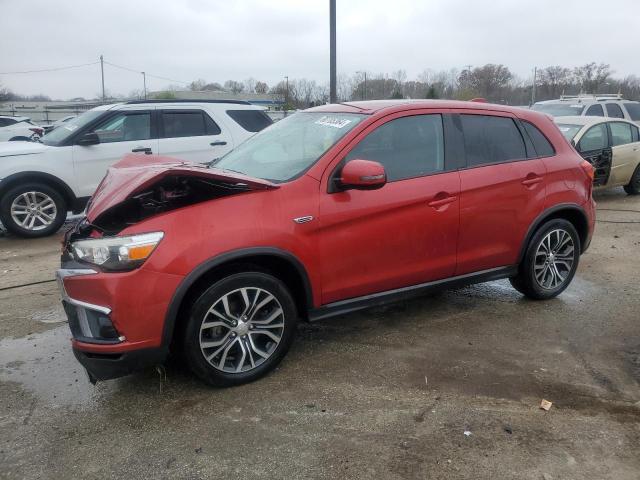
{"x":117,"y":253}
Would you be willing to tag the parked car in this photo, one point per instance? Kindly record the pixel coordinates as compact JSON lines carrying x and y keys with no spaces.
{"x":40,"y":182}
{"x":327,"y":211}
{"x":57,"y":123}
{"x":611,"y":146}
{"x":613,"y":106}
{"x":19,"y":129}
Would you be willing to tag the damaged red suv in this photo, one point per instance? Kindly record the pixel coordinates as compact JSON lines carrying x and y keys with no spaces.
{"x":328,"y":211}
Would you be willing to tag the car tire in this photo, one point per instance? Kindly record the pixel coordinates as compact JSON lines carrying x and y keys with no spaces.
{"x":32,"y":210}
{"x":239,"y":329}
{"x":633,"y":188}
{"x":550,"y":261}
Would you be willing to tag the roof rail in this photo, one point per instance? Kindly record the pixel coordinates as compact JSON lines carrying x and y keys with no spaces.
{"x":185,"y":100}
{"x":593,"y":96}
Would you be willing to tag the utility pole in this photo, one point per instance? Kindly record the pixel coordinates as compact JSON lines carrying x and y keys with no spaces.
{"x":333,"y":96}
{"x":286,"y":93}
{"x":144,"y":84}
{"x":364,"y":94}
{"x":102,"y":74}
{"x":533,"y":87}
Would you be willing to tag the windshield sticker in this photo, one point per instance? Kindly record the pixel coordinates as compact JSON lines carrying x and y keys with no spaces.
{"x":576,"y":106}
{"x":564,"y":129}
{"x":335,"y":122}
{"x":71,"y":128}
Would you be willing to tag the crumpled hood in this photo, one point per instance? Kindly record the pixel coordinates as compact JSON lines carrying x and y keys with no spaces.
{"x":21,"y":148}
{"x":136,"y":174}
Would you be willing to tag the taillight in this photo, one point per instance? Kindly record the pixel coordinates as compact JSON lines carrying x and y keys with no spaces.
{"x":588,"y":169}
{"x":38,"y":131}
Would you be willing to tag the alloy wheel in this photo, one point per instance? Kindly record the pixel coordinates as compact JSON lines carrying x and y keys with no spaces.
{"x":33,"y":210}
{"x":554,"y":259}
{"x":241,"y":330}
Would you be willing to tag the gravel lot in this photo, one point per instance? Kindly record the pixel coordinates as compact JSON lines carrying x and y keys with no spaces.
{"x":385,"y":393}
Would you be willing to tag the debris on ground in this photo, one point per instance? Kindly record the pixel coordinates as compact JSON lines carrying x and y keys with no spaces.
{"x":545,"y":405}
{"x":508,"y":429}
{"x":467,"y":433}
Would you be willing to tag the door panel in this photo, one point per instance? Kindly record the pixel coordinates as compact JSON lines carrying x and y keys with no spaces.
{"x":373,"y":241}
{"x":498,"y":204}
{"x":119,"y":135}
{"x":192,"y":135}
{"x":625,"y":159}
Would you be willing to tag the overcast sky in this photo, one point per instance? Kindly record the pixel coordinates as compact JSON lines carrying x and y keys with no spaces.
{"x":267,"y":39}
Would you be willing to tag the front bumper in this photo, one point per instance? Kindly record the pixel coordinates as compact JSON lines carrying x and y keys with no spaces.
{"x":116,"y":319}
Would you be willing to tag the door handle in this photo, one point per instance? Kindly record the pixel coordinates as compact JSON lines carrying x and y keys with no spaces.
{"x":146,"y":150}
{"x":215,"y":144}
{"x":531,"y":180}
{"x":440,"y":200}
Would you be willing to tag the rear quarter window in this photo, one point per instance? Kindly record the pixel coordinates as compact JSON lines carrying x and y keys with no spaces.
{"x":541,"y":145}
{"x":634,"y":110}
{"x":250,"y":120}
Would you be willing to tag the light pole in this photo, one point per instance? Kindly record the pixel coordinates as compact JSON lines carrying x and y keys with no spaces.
{"x":533,"y":86}
{"x":364,"y":94}
{"x":102,"y":75}
{"x":333,"y":96}
{"x":144,"y":84}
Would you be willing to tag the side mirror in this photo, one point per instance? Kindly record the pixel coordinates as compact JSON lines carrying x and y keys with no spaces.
{"x":363,"y":175}
{"x":90,"y":138}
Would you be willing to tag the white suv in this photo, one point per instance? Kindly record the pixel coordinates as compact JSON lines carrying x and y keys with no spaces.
{"x":19,"y":128}
{"x":40,"y":182}
{"x":604,"y":105}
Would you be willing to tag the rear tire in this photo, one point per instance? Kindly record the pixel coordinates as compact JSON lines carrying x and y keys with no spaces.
{"x":550,"y":261}
{"x":633,"y":188}
{"x":33,"y":210}
{"x":239,"y":329}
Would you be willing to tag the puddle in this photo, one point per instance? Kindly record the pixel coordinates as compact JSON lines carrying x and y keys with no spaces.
{"x":45,"y":365}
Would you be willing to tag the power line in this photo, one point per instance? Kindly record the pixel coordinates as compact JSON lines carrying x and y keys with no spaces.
{"x":148,"y":74}
{"x":50,"y":69}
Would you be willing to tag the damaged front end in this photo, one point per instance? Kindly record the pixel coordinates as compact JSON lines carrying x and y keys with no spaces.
{"x":138,"y":188}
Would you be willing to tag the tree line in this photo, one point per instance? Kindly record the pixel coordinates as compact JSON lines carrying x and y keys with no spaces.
{"x":495,"y":82}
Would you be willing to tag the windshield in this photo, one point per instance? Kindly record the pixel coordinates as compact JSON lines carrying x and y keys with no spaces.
{"x":569,"y":131}
{"x":57,"y":136}
{"x":559,"y":109}
{"x":289,"y":147}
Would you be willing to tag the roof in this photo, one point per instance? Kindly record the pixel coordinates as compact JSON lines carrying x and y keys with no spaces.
{"x":17,"y":119}
{"x":370,"y":107}
{"x":589,"y":120}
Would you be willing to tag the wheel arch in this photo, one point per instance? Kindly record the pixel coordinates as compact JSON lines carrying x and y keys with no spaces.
{"x":570,"y":212}
{"x":282,"y":264}
{"x":47,"y":178}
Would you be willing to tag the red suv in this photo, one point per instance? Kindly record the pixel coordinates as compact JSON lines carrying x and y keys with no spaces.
{"x":328,"y":211}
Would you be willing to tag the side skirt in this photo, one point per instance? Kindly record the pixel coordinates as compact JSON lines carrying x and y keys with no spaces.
{"x":353,"y":304}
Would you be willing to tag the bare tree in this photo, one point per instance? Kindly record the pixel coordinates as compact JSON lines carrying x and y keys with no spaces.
{"x":234,"y":86}
{"x":592,"y":76}
{"x":250,"y":85}
{"x":261,"y":87}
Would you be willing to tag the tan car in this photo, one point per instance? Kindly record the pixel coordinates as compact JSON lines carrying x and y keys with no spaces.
{"x":612,"y":146}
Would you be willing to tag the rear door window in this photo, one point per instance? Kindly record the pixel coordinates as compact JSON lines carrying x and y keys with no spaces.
{"x":407,"y":147}
{"x":595,"y":110}
{"x":614,"y":110}
{"x":250,"y":120}
{"x":187,"y":123}
{"x":489,"y":139}
{"x":620,"y":133}
{"x":540,"y":143}
{"x":594,"y":139}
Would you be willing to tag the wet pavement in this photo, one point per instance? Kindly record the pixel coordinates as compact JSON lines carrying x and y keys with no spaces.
{"x":385,"y":393}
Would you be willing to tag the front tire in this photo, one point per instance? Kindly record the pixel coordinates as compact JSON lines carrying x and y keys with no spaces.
{"x":239,"y":329}
{"x":550,"y":261}
{"x":633,"y":188}
{"x":32,"y":210}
